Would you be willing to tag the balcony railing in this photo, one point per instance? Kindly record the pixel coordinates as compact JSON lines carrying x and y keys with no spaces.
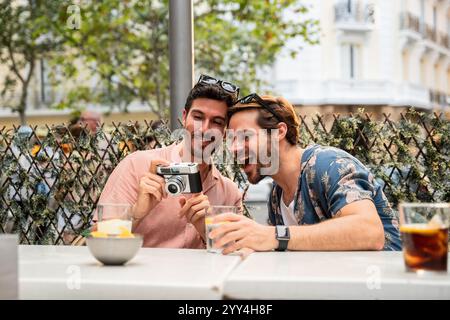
{"x":356,"y":12}
{"x":408,"y":21}
{"x":444,"y":40}
{"x":430,"y":33}
{"x":437,"y":97}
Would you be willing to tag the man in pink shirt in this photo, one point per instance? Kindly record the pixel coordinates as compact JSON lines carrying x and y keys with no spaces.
{"x":177,"y":221}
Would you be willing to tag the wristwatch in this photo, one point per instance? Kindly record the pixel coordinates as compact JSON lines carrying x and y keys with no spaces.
{"x":283,"y":236}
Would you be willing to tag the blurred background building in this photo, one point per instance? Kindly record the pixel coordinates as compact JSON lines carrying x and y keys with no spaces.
{"x":384,"y":55}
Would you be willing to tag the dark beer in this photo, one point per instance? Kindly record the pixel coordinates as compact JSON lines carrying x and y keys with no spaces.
{"x":424,"y":247}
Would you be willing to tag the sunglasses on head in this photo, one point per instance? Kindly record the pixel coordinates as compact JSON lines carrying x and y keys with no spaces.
{"x":256,"y":98}
{"x":227,"y":86}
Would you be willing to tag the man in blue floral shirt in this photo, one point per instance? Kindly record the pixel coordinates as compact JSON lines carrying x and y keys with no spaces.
{"x":322,"y":198}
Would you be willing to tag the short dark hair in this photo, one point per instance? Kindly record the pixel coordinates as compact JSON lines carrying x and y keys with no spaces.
{"x":212,"y":92}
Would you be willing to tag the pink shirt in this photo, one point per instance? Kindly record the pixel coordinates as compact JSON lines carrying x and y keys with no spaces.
{"x":162,"y":227}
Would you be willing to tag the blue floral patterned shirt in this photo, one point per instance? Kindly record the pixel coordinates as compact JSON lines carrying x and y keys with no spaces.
{"x":331,"y":179}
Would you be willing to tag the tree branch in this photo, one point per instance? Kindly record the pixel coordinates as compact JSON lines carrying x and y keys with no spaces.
{"x":14,"y":64}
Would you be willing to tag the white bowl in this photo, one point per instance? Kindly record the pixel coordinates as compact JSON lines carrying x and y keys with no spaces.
{"x":114,"y":251}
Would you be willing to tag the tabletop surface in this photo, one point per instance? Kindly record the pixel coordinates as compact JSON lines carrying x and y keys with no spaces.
{"x":65,"y":272}
{"x":332,"y":275}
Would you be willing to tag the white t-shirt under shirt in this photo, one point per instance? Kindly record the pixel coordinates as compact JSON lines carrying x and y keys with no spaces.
{"x":287,"y":212}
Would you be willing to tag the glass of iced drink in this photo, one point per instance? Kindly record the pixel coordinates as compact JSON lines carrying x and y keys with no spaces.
{"x":114,"y":219}
{"x":424,"y":231}
{"x":209,"y":226}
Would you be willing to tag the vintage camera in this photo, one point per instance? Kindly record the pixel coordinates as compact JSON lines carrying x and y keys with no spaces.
{"x":181,"y":178}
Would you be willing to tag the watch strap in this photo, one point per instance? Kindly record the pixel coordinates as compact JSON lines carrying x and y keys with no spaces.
{"x":282,"y":241}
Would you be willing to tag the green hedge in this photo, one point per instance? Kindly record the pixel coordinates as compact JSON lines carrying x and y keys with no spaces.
{"x":51,"y":177}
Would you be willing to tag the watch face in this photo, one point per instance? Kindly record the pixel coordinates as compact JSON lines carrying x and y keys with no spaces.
{"x":282,"y":231}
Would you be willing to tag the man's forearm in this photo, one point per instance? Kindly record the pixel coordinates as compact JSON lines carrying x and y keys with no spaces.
{"x":351,"y":232}
{"x":138,"y":213}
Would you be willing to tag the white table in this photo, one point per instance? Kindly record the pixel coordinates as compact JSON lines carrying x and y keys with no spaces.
{"x":63,"y":272}
{"x":332,"y":275}
{"x":8,"y":266}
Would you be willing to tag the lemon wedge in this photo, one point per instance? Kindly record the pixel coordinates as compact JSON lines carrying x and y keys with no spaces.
{"x":125,"y":233}
{"x":98,"y":234}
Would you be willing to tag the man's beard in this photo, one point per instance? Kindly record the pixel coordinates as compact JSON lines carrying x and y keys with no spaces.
{"x":256,"y":175}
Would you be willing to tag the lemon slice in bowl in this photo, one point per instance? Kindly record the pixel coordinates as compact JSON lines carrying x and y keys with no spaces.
{"x":125,"y":233}
{"x":98,"y":234}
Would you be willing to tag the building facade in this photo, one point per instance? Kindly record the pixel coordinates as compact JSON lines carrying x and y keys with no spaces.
{"x":383,"y":55}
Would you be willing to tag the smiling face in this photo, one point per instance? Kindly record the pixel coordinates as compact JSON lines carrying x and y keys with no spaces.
{"x":91,"y":120}
{"x":244,"y":123}
{"x":205,"y":122}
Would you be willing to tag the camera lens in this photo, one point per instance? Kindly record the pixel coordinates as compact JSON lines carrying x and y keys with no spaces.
{"x":175,"y":185}
{"x":172,"y":188}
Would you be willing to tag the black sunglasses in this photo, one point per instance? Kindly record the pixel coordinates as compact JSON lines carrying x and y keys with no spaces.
{"x":227,"y":86}
{"x":253,"y":97}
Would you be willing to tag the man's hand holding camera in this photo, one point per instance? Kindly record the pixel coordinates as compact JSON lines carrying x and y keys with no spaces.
{"x":151,"y":191}
{"x":194,"y":209}
{"x":165,"y":179}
